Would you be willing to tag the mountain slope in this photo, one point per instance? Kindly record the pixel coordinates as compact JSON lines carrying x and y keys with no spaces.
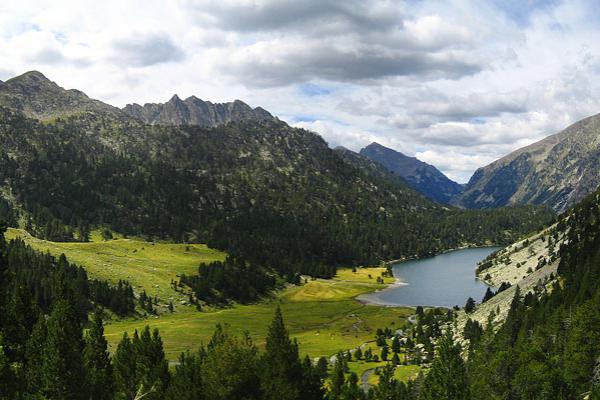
{"x":559,"y":171}
{"x":371,"y":168}
{"x":193,"y":111}
{"x":547,"y":345}
{"x":37,"y":97}
{"x":422,"y":176}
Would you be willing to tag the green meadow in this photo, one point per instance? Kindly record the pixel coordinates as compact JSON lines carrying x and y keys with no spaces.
{"x":322,"y":315}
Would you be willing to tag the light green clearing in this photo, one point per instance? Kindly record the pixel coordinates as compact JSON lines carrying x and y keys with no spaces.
{"x":322,"y":315}
{"x":146,"y":265}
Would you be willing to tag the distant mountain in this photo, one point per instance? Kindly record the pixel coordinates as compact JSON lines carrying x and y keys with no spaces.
{"x":424,"y":177}
{"x":38,"y":97}
{"x":193,"y":111}
{"x":373,"y":169}
{"x":559,"y":171}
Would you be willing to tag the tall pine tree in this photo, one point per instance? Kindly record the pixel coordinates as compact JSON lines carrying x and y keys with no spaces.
{"x":97,"y":361}
{"x":447,"y":378}
{"x":62,"y":371}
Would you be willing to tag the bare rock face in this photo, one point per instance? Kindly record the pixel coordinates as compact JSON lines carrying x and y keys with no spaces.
{"x":559,"y":171}
{"x":194,"y":111}
{"x":423,"y":177}
{"x":38,"y":97}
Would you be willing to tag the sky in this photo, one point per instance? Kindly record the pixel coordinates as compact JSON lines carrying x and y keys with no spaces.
{"x":455,"y":83}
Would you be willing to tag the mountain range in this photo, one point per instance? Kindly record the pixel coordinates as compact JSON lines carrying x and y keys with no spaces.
{"x":258,"y":188}
{"x":193,"y":111}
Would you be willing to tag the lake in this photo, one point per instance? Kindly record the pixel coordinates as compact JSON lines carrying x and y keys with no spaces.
{"x":444,"y":280}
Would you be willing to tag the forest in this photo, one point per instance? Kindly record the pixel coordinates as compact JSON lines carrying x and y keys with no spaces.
{"x":277,"y":197}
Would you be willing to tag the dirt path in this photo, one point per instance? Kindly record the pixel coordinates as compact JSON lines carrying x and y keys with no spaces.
{"x":364,"y":379}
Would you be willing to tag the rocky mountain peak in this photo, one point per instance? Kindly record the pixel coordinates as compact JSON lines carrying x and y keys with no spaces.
{"x":38,"y":97}
{"x":421,"y":176}
{"x":195,"y":111}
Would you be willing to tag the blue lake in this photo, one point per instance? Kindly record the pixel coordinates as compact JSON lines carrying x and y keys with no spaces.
{"x":444,"y":280}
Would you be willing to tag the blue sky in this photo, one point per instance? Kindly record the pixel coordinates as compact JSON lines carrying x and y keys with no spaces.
{"x":456,"y":83}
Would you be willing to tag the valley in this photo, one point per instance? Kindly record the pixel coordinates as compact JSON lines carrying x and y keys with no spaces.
{"x":322,"y":313}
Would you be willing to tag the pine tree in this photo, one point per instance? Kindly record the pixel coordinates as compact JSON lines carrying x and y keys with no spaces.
{"x":384,"y":353}
{"x":447,"y":378}
{"x":34,"y":356}
{"x":337,"y":379}
{"x":186,"y":382}
{"x":396,"y":344}
{"x":321,"y":367}
{"x":470,"y":305}
{"x":124,"y":366}
{"x":152,"y":370}
{"x":63,"y":374}
{"x":282,"y":371}
{"x":97,"y":361}
{"x":358,"y":353}
{"x":230,"y":368}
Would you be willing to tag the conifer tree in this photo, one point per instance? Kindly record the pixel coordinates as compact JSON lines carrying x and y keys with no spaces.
{"x":97,"y":361}
{"x":124,"y":366}
{"x":337,"y":379}
{"x":447,"y":378}
{"x":186,"y":383}
{"x":396,"y":344}
{"x":62,"y":371}
{"x":283,"y":377}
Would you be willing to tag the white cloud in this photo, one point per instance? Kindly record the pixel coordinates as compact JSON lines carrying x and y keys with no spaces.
{"x":457,"y":83}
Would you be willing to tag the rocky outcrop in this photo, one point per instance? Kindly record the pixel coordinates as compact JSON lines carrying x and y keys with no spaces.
{"x":194,"y":111}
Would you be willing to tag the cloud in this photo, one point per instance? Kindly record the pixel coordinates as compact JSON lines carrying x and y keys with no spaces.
{"x":271,"y":15}
{"x":455,"y":82}
{"x":142,"y":50}
{"x":301,"y":62}
{"x":47,"y":56}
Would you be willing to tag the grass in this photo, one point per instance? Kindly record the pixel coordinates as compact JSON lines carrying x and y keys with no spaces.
{"x":146,"y":265}
{"x":322,"y":315}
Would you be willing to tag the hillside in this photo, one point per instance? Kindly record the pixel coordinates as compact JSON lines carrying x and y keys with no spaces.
{"x":275,"y":195}
{"x":37,"y":97}
{"x":558,"y":171}
{"x":423,"y":177}
{"x":194,"y":111}
{"x":548,"y":341}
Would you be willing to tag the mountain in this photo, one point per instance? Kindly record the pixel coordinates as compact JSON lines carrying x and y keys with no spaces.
{"x":38,"y":97}
{"x":424,"y":177}
{"x":274,"y":195}
{"x":372,"y":168}
{"x":558,"y":171}
{"x":193,"y":111}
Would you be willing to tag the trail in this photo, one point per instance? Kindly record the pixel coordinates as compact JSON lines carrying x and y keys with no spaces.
{"x":364,"y":379}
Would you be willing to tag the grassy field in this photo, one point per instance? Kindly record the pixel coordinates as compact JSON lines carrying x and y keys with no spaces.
{"x":146,"y":265}
{"x":322,"y":315}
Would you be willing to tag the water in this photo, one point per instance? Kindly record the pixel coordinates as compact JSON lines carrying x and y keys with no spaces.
{"x":444,"y":280}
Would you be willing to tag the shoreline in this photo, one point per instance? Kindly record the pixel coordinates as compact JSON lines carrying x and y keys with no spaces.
{"x":411,"y":258}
